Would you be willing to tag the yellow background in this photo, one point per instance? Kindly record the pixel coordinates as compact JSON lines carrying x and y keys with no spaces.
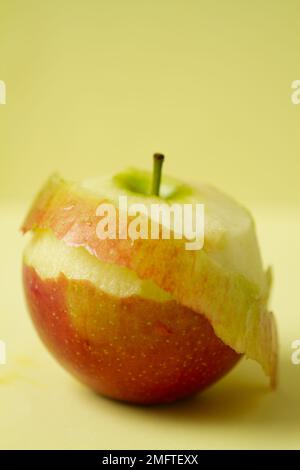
{"x":93,"y":86}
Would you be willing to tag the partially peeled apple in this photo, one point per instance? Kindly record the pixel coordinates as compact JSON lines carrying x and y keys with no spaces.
{"x":146,"y":321}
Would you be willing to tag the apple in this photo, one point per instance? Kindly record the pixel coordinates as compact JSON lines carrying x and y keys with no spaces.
{"x":145,"y":320}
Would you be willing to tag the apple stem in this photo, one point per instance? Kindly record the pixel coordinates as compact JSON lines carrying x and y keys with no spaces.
{"x":158,"y":159}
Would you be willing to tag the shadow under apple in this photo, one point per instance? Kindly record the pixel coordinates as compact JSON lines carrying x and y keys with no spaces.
{"x":241,"y":397}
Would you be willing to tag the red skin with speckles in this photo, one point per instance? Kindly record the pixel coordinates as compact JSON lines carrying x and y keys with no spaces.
{"x":132,"y":349}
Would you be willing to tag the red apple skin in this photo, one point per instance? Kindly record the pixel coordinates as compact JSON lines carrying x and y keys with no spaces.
{"x":70,"y":213}
{"x":131,"y":349}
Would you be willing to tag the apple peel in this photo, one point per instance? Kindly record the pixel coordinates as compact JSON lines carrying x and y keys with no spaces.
{"x":121,"y":347}
{"x":235,"y":306}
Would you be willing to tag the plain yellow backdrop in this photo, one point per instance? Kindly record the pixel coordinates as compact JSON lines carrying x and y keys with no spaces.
{"x":94,"y":86}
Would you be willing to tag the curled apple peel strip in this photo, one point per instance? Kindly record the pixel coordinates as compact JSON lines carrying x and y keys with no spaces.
{"x":234,"y":305}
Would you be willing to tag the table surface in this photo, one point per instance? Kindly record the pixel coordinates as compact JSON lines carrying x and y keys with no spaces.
{"x":43,"y":407}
